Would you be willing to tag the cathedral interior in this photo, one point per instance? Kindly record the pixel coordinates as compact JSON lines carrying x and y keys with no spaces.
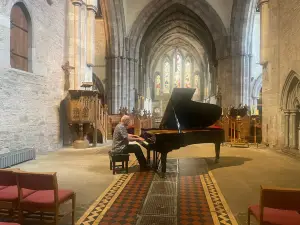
{"x":213,"y":82}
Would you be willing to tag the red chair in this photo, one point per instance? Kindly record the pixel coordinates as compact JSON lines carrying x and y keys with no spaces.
{"x":9,"y":196}
{"x":278,"y":206}
{"x":46,"y":198}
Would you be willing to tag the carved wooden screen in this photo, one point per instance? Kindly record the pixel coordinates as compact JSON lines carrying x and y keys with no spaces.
{"x":19,"y":38}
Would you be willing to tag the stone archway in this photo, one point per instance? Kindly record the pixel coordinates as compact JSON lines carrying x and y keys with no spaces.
{"x":290,"y":105}
{"x":242,"y":24}
{"x":179,"y":24}
{"x":256,"y":91}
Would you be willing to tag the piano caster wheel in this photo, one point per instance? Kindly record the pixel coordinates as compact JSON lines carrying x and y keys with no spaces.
{"x":217,"y":160}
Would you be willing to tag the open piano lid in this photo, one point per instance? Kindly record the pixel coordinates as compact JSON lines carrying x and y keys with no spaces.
{"x":190,"y":114}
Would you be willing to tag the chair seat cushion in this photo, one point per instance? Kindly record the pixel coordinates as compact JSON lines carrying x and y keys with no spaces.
{"x":276,"y":216}
{"x":2,"y":187}
{"x":45,"y":199}
{"x":6,"y":223}
{"x":10,"y":193}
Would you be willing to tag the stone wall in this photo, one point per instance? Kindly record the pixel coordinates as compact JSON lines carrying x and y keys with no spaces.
{"x":283,"y":57}
{"x":29,"y":102}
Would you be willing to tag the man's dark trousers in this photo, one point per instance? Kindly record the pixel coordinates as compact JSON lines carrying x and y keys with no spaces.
{"x":136,"y":149}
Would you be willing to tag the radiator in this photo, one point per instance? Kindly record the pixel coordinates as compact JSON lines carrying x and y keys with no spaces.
{"x":16,"y":157}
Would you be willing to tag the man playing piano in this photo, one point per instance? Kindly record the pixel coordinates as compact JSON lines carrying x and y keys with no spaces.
{"x":121,"y":142}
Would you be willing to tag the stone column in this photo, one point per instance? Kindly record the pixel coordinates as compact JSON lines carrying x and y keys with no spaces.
{"x":114,"y":86}
{"x":83,"y":42}
{"x":286,"y":128}
{"x":131,"y":90}
{"x":124,"y":82}
{"x":77,"y":41}
{"x":264,"y":30}
{"x":293,"y":129}
{"x":71,"y":44}
{"x":90,"y":56}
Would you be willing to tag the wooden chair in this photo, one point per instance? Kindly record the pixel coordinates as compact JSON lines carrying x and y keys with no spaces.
{"x":124,"y":158}
{"x":278,"y":206}
{"x":9,"y":197}
{"x":46,"y":198}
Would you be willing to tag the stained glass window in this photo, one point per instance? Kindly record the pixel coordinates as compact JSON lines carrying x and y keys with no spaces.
{"x":196,"y":82}
{"x":187,"y":75}
{"x":178,"y":69}
{"x":167,"y":70}
{"x":157,"y":85}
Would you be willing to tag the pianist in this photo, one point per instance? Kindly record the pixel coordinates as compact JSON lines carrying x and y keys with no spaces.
{"x":121,"y":140}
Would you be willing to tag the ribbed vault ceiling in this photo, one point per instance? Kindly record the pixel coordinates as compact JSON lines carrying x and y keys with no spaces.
{"x":177,"y":27}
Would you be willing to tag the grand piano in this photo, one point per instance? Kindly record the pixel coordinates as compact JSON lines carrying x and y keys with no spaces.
{"x":185,"y":122}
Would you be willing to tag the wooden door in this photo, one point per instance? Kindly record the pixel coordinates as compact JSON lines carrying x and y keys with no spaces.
{"x":19,"y":39}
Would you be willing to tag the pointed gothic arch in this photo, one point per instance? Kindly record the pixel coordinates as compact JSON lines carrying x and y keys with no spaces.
{"x":188,"y":65}
{"x":290,"y":105}
{"x":20,"y":37}
{"x":290,"y":90}
{"x":257,"y":87}
{"x":166,"y":74}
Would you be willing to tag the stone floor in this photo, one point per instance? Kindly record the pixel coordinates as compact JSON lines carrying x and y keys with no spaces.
{"x":239,"y":174}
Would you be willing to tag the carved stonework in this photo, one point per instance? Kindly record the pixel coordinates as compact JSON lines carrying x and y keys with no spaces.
{"x":66,"y":68}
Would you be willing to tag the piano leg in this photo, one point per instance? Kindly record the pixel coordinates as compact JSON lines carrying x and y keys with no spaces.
{"x":163,"y":160}
{"x":217,"y":150}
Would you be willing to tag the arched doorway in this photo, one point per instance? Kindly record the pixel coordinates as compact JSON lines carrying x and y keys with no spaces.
{"x":290,"y":104}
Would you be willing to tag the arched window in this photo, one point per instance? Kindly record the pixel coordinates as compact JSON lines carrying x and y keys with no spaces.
{"x":197,"y":81}
{"x":157,"y":85}
{"x":166,"y":74}
{"x":178,"y":69}
{"x":20,"y":37}
{"x":187,"y":75}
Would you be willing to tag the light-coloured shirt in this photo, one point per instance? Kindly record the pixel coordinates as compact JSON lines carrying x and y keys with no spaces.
{"x":120,"y":139}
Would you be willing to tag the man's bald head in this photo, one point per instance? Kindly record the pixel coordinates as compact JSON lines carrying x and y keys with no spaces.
{"x":125,"y":120}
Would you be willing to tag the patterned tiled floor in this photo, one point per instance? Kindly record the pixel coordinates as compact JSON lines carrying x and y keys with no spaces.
{"x":189,"y":195}
{"x":193,"y":206}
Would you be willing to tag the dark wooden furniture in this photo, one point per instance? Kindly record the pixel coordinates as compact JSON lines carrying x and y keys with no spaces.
{"x":278,"y":206}
{"x":185,"y":122}
{"x":124,"y":158}
{"x":7,"y":223}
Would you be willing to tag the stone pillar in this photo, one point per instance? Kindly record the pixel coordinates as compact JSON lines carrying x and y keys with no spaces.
{"x":83,"y":30}
{"x":124,"y":82}
{"x":71,"y":43}
{"x":264,"y":30}
{"x":77,"y":42}
{"x":293,"y":129}
{"x":114,"y":86}
{"x":131,"y":91}
{"x":90,"y":55}
{"x":286,"y":128}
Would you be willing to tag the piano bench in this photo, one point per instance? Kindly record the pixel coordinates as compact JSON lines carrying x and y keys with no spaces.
{"x":124,"y":158}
